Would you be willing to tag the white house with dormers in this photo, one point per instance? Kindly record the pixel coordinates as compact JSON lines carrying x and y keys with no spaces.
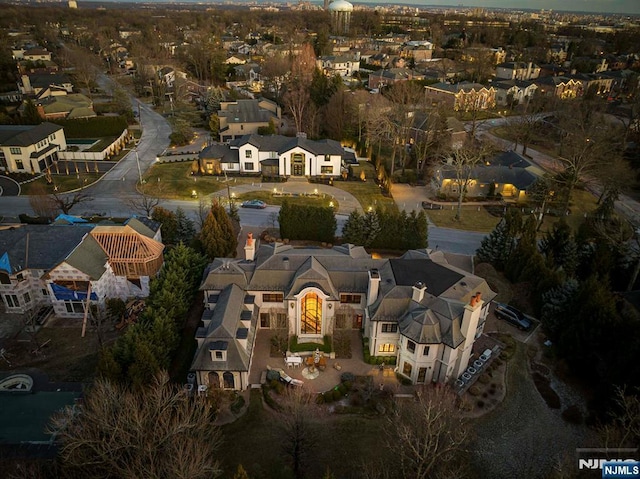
{"x":30,"y":148}
{"x":418,"y":309}
{"x":342,"y":65}
{"x":276,"y":155}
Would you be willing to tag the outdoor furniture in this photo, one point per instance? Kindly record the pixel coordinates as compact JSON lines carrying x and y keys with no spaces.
{"x":337,"y":366}
{"x":293,"y":361}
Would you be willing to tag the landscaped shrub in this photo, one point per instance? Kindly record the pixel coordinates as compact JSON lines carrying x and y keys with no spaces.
{"x":268,"y":399}
{"x":474,"y":391}
{"x":347,"y":377}
{"x":573,"y":415}
{"x":356,"y":400}
{"x":348,"y":385}
{"x":546,"y":391}
{"x":337,"y":394}
{"x":405,"y":381}
{"x":296,"y":347}
{"x":343,"y":389}
{"x":320,"y":398}
{"x":484,"y":379}
{"x":480,"y":403}
{"x":237,"y":405}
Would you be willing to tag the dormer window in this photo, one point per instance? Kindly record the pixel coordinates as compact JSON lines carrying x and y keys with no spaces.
{"x":218,"y":350}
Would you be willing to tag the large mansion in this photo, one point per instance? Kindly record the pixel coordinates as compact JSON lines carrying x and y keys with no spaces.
{"x":417,"y":308}
{"x":276,"y":155}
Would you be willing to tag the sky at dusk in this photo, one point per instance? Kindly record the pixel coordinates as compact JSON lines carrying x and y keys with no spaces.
{"x":613,"y":6}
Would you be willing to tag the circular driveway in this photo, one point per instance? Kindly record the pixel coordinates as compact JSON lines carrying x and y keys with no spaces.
{"x":8,"y":186}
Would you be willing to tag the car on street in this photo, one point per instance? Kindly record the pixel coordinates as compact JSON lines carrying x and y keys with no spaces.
{"x":513,"y":316}
{"x":259,"y":204}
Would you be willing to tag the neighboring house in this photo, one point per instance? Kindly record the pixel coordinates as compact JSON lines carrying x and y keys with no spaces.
{"x":110,"y":262}
{"x":514,"y":91}
{"x":56,"y":265}
{"x":418,"y":308}
{"x":277,"y":156}
{"x":419,"y":50}
{"x":509,"y":174}
{"x":57,"y":83}
{"x":597,"y":83}
{"x":244,"y":117}
{"x":391,"y":76}
{"x":168,"y":76}
{"x":517,"y":71}
{"x":248,"y":71}
{"x":344,"y":66}
{"x":37,"y":54}
{"x":30,"y":148}
{"x":463,"y":96}
{"x":73,"y":106}
{"x":562,"y":87}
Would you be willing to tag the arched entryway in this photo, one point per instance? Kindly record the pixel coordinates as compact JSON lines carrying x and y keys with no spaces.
{"x":214,"y":380}
{"x":229,"y":381}
{"x":311,"y":314}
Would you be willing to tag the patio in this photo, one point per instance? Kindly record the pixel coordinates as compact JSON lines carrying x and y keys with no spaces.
{"x":328,"y":378}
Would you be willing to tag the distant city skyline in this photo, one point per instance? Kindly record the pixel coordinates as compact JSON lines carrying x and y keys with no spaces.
{"x":596,"y":6}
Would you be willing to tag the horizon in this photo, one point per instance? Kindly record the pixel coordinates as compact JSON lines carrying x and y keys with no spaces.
{"x":617,"y":7}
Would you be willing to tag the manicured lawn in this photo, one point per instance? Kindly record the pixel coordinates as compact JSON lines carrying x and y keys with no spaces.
{"x":479,"y":218}
{"x":174,"y":181}
{"x":366,"y":192}
{"x":269,"y":198}
{"x":473,"y":218}
{"x":63,"y":182}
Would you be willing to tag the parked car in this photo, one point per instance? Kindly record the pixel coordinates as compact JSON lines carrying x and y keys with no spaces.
{"x":513,"y":316}
{"x":259,"y":204}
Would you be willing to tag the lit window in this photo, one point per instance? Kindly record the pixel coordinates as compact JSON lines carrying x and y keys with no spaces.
{"x":311,"y":318}
{"x":387,"y":348}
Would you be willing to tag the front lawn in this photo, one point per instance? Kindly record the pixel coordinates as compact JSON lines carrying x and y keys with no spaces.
{"x":63,"y":182}
{"x":368,"y":193}
{"x":271,"y":199}
{"x":174,"y":181}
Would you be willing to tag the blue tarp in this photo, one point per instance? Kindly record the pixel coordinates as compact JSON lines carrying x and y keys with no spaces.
{"x":65,"y":294}
{"x":70,"y":219}
{"x":4,"y":263}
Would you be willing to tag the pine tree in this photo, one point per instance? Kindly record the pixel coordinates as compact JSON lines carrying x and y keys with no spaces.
{"x":560,"y":248}
{"x":145,"y":365}
{"x":210,"y":237}
{"x":557,"y":303}
{"x":370,"y":228}
{"x":497,"y":247}
{"x":186,"y":230}
{"x":353,"y":229}
{"x":30,"y":116}
{"x":228,"y":240}
{"x":169,"y":222}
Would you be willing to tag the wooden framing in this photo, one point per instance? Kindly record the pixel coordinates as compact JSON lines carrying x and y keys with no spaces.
{"x":130,"y":253}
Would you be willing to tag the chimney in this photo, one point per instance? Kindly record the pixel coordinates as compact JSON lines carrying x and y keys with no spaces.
{"x":250,"y":248}
{"x":285,"y":262}
{"x":418,"y":291}
{"x":26,"y":84}
{"x":475,"y":300}
{"x":374,"y":286}
{"x":529,"y":71}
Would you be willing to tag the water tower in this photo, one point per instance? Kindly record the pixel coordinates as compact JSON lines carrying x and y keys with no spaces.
{"x":340,"y":11}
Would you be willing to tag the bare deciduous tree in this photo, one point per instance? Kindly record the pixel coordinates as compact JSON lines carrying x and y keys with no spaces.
{"x":157,"y":432}
{"x":296,"y":427}
{"x":41,"y":202}
{"x":426,"y":434}
{"x":65,"y":201}
{"x":144,"y":203}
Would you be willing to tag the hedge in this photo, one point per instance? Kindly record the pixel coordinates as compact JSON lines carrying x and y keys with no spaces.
{"x":95,"y":127}
{"x":299,"y":222}
{"x":296,"y":347}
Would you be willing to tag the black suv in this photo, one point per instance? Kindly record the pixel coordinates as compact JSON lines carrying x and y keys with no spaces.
{"x":513,"y":316}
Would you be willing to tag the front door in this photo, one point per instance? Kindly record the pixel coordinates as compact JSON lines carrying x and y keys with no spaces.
{"x":297,"y":164}
{"x":357,"y":321}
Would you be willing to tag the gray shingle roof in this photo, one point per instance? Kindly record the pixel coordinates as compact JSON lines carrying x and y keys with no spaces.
{"x":224,"y":332}
{"x":282,"y":144}
{"x":26,"y":135}
{"x":40,"y":246}
{"x":246,"y":111}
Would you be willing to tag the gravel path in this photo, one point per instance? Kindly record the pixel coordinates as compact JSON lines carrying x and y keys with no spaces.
{"x":522,"y":437}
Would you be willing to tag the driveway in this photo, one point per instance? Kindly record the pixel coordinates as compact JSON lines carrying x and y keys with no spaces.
{"x":8,"y":186}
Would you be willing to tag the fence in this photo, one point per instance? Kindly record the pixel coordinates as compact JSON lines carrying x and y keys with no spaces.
{"x":165,"y":157}
{"x":113,"y":148}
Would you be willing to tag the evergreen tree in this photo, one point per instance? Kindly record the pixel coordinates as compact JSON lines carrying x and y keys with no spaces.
{"x":210,"y":238}
{"x":370,"y":228}
{"x":169,"y":222}
{"x":144,"y":366}
{"x":557,"y":304}
{"x":229,"y":240}
{"x":186,"y":230}
{"x":497,"y":247}
{"x":30,"y":116}
{"x":560,"y":249}
{"x":353,"y":230}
